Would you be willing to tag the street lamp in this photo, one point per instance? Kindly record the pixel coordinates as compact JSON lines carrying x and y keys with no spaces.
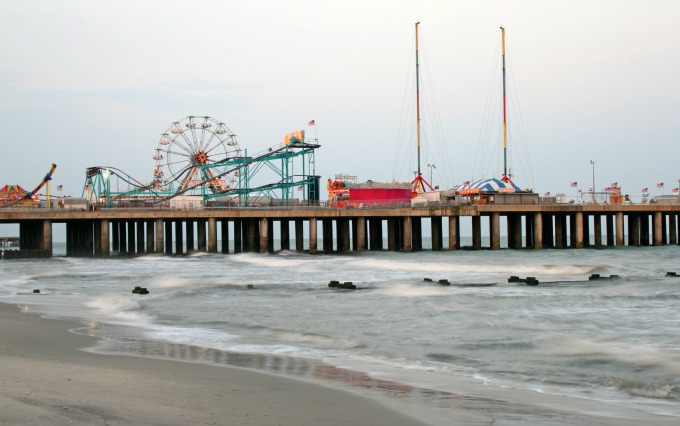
{"x":592,"y":162}
{"x":431,"y":166}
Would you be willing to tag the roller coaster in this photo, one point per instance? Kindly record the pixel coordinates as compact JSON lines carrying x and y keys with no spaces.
{"x":198,"y":159}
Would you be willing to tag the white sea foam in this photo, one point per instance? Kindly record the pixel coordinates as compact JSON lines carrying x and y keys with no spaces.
{"x":121,"y":307}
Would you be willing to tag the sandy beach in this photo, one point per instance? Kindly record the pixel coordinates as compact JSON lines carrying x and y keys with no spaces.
{"x":46,"y":379}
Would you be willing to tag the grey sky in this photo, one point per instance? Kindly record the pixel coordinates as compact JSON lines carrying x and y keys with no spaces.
{"x":86,"y":83}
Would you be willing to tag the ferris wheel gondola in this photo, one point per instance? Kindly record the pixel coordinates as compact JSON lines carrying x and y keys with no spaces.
{"x":191,"y":156}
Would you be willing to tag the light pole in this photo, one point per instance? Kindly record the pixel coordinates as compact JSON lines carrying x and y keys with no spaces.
{"x":592,"y":162}
{"x":431,"y":166}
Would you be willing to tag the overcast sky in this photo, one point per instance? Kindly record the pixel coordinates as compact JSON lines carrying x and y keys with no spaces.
{"x":88,"y":83}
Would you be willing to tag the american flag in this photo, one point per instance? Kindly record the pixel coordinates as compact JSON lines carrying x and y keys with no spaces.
{"x":466,"y":183}
{"x":675,"y":189}
{"x":659,"y":185}
{"x":547,"y":194}
{"x":311,"y":123}
{"x":645,"y":189}
{"x":60,"y":187}
{"x":574,"y":184}
{"x":614,"y":184}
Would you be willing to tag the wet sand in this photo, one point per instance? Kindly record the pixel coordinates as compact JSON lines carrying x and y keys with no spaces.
{"x":46,"y":379}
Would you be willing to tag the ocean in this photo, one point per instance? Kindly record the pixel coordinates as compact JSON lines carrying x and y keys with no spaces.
{"x":596,"y":347}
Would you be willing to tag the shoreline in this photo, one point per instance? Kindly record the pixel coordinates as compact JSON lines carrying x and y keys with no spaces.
{"x":47,"y":378}
{"x":89,"y":377}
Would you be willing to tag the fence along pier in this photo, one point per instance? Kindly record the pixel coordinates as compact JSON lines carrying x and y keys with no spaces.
{"x":162,"y":231}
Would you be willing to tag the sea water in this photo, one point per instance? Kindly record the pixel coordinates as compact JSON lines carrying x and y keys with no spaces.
{"x":611,"y":343}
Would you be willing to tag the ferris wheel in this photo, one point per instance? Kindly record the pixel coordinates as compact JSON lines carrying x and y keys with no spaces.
{"x":193,"y":155}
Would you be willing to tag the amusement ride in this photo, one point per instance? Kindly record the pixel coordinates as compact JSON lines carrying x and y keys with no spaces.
{"x":199,"y":158}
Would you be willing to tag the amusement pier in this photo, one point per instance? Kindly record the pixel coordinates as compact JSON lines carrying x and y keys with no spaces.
{"x":234,"y":230}
{"x":208,"y":194}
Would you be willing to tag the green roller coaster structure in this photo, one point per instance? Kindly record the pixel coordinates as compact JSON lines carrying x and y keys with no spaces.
{"x":281,"y":175}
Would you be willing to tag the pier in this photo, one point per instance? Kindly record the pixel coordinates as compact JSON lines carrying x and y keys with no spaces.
{"x":175,"y":232}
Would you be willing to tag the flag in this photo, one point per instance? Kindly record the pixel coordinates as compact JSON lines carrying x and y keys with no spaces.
{"x":466,"y":183}
{"x":574,"y":184}
{"x":60,"y":187}
{"x":311,"y":123}
{"x":299,"y":188}
{"x":614,"y":184}
{"x":675,"y":189}
{"x":86,"y":187}
{"x":590,"y":189}
{"x":659,"y":185}
{"x":547,"y":194}
{"x":645,"y":189}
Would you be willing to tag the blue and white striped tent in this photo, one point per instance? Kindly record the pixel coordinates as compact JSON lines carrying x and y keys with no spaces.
{"x":487,"y":185}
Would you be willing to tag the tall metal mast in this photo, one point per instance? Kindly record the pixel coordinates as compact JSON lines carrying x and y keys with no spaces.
{"x":505,"y":123}
{"x":420,"y":185}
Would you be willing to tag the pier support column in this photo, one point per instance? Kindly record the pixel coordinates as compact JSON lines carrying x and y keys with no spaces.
{"x":644,"y":229}
{"x":476,"y":232}
{"x":150,"y":236}
{"x":312,"y":235}
{"x":578,"y":237}
{"x":327,"y":235}
{"x":345,"y":229}
{"x":585,"y":235}
{"x":158,"y":229}
{"x":597,"y":229}
{"x":200,"y":235}
{"x":548,"y":230}
{"x":285,"y":234}
{"x":264,"y":234}
{"x":122,"y":237}
{"x":212,"y":235}
{"x":672,"y":228}
{"x":141,"y":246}
{"x":619,"y":229}
{"x":179,"y":237}
{"x":372,"y":234}
{"x":167,"y":224}
{"x":115,"y":235}
{"x":658,"y":229}
{"x":538,"y":231}
{"x":104,"y":245}
{"x":46,"y":243}
{"x":190,"y":236}
{"x":529,"y":230}
{"x":416,"y":234}
{"x":454,"y":233}
{"x":131,"y":233}
{"x":392,"y":234}
{"x":407,"y":245}
{"x":517,"y":230}
{"x":224,"y":235}
{"x":238,"y":236}
{"x":495,"y":231}
{"x":361,"y":234}
{"x":436,"y":225}
{"x":609,"y":224}
{"x":633,"y":229}
{"x":299,"y":235}
{"x":560,"y":224}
